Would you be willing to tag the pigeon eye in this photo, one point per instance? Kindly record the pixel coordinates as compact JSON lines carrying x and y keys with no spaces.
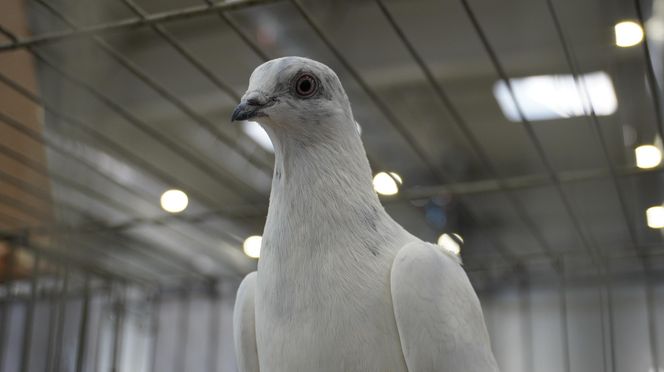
{"x":306,"y":86}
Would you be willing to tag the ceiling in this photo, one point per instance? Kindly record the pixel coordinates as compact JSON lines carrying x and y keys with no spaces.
{"x":99,"y":121}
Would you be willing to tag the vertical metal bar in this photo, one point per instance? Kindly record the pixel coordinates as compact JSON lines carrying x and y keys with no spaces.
{"x":213,"y":327}
{"x":83,"y":327}
{"x":562,"y":296}
{"x":7,"y":302}
{"x":612,"y":342}
{"x":156,"y":312}
{"x":118,"y":310}
{"x":652,"y":324}
{"x":62,"y":311}
{"x":28,"y":326}
{"x":180,"y":352}
{"x":103,"y":316}
{"x":527,"y":323}
{"x":53,"y":319}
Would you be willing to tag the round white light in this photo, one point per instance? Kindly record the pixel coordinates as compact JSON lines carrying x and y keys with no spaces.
{"x":647,"y":156}
{"x":252,"y":246}
{"x":387,"y":183}
{"x":655,"y":217}
{"x":449,"y":244}
{"x":174,"y":201}
{"x":628,"y":34}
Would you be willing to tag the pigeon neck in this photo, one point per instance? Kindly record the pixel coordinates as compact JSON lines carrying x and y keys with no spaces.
{"x":335,"y":168}
{"x":321,"y":189}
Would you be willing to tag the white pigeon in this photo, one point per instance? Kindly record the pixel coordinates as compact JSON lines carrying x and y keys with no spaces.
{"x":340,"y":285}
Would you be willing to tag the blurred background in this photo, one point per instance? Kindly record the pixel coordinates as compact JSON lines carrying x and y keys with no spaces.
{"x":523,"y":135}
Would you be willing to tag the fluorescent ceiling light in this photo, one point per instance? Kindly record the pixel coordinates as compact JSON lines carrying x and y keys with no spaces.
{"x":628,"y":34}
{"x":546,"y":97}
{"x":258,"y":134}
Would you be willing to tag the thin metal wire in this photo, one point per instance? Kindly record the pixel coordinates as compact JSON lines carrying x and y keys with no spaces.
{"x":92,"y":133}
{"x":594,"y":121}
{"x":462,"y":125}
{"x":178,"y":263}
{"x":574,"y":220}
{"x":25,"y":208}
{"x":10,"y":35}
{"x":132,"y":23}
{"x":373,"y":96}
{"x":387,"y":112}
{"x":650,"y":74}
{"x":220,"y":175}
{"x":238,"y":31}
{"x":162,"y":91}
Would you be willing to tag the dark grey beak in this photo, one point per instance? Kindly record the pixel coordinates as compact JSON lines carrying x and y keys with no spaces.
{"x":244,"y":111}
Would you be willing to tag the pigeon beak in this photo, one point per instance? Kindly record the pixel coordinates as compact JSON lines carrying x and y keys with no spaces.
{"x":244,"y":111}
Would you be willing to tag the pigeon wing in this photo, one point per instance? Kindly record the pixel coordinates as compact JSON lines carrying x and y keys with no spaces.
{"x":438,"y":315}
{"x":244,"y":326}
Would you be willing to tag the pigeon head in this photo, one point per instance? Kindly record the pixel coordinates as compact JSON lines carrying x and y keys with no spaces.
{"x":296,"y":97}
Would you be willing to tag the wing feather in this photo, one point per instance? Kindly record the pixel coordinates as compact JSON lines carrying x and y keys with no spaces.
{"x":244,"y":326}
{"x":438,"y":314}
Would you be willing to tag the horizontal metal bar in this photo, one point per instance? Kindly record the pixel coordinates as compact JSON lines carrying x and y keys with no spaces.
{"x":149,"y":19}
